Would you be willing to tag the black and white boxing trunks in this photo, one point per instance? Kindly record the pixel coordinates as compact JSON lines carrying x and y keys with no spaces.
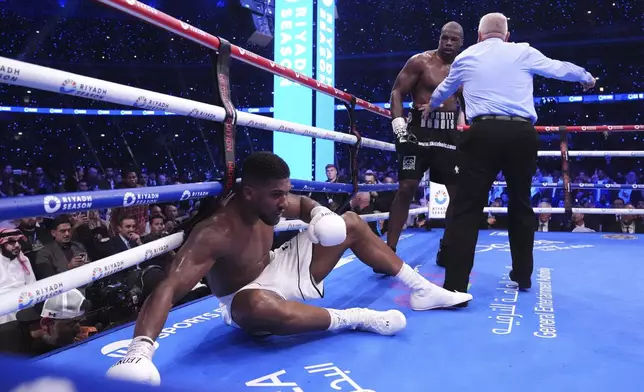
{"x":437,"y":148}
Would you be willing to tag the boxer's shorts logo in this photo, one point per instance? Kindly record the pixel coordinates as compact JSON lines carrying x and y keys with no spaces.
{"x":119,"y":349}
{"x":409,"y":163}
{"x":52,"y":204}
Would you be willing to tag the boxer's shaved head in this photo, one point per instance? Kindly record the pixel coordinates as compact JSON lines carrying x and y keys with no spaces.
{"x":453,"y":26}
{"x":451,"y":41}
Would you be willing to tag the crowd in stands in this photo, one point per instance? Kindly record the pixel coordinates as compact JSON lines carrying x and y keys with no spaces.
{"x":43,"y":154}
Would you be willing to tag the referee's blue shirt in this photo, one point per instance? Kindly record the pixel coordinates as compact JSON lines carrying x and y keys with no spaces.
{"x":497,"y":78}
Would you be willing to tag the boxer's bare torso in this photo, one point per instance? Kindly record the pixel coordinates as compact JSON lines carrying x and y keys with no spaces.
{"x":246,"y":253}
{"x":431,"y":71}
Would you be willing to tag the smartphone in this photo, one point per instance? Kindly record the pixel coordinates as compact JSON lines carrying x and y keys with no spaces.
{"x":83,"y":256}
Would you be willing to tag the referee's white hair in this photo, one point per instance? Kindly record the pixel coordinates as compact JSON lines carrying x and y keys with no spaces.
{"x":493,"y":25}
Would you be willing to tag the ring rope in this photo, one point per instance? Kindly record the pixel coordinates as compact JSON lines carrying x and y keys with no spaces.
{"x":65,"y":203}
{"x":153,"y":16}
{"x":31,"y":294}
{"x":49,"y":79}
{"x":174,"y":25}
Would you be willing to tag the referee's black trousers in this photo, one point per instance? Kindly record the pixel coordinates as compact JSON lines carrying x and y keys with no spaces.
{"x":488,"y":147}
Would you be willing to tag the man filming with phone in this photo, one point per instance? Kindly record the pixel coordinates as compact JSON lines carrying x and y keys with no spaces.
{"x":61,"y":255}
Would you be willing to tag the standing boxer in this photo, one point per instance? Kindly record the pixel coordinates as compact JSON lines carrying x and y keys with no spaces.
{"x":423,"y":144}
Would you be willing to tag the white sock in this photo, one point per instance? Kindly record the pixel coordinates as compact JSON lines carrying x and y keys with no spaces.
{"x":341,"y":319}
{"x":412,"y":279}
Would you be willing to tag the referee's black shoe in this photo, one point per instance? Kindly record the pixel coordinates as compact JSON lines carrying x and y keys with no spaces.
{"x":524,"y":284}
{"x":439,"y":260}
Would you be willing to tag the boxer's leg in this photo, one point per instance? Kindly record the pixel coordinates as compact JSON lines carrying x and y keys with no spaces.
{"x":261,"y":312}
{"x":399,"y":210}
{"x":373,"y":252}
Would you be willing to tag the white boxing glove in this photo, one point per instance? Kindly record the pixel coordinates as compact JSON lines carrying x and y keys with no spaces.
{"x":326,"y":228}
{"x":137,"y":365}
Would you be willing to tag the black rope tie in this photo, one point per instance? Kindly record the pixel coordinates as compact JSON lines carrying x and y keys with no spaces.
{"x":228,"y":127}
{"x":353,"y":152}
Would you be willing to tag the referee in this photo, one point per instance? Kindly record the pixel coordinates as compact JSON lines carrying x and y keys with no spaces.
{"x":496,"y":76}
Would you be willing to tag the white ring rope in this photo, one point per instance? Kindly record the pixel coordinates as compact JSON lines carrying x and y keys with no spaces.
{"x":593,"y":154}
{"x":41,"y":290}
{"x":590,"y":211}
{"x":35,"y":76}
{"x":49,"y":79}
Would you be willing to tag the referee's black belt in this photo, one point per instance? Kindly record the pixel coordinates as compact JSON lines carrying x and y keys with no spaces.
{"x":501,"y":118}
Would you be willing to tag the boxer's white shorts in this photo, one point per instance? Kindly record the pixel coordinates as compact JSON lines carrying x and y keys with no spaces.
{"x":288,"y":275}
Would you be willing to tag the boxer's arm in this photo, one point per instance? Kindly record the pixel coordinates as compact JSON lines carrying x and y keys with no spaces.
{"x":189,"y":266}
{"x":405,"y":82}
{"x":300,"y":207}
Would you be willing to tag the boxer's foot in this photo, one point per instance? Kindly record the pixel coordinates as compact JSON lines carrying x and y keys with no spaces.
{"x":436,"y":297}
{"x":385,"y":323}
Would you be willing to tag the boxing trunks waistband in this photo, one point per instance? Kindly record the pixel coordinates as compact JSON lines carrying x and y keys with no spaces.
{"x":445,"y":121}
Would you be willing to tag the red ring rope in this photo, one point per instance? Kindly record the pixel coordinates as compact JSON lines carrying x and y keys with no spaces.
{"x":174,"y":25}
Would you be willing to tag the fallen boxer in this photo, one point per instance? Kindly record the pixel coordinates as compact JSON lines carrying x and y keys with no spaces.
{"x":260,"y":288}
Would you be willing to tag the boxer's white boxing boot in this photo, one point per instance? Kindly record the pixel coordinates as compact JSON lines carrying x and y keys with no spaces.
{"x":385,"y":323}
{"x":137,"y":365}
{"x":436,"y":297}
{"x":426,"y":295}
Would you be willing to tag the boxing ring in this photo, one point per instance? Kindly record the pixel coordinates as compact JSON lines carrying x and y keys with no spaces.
{"x":572,"y":329}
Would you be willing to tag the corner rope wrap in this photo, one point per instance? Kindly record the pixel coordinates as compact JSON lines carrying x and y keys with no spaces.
{"x":228,"y":129}
{"x":565,"y":170}
{"x":353,"y":153}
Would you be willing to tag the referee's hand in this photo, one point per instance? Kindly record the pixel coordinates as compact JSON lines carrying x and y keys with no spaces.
{"x":426,"y":110}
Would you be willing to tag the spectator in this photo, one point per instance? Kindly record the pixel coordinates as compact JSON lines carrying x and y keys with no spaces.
{"x":126,"y":238}
{"x":15,"y":268}
{"x":545,"y":222}
{"x":36,"y":236}
{"x":57,"y":325}
{"x":62,"y":254}
{"x":139,"y":213}
{"x":627,"y":224}
{"x":579,"y":226}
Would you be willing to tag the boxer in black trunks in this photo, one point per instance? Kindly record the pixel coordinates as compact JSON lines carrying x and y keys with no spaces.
{"x":423,"y":144}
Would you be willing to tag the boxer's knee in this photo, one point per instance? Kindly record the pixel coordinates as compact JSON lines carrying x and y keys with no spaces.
{"x":258,"y":311}
{"x":354,"y":223}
